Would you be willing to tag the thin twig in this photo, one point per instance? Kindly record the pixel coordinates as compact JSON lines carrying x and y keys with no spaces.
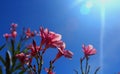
{"x":76,"y":71}
{"x":96,"y":70}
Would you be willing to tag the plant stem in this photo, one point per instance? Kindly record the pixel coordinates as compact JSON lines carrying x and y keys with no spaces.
{"x":38,"y":65}
{"x":50,"y":67}
{"x":41,"y":62}
{"x":86,"y":67}
{"x":81,"y":67}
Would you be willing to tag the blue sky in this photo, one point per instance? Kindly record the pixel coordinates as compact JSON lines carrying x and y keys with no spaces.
{"x":75,"y":22}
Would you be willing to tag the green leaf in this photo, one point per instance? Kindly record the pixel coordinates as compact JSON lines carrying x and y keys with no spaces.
{"x":1,"y":47}
{"x":2,"y":60}
{"x":25,"y":50}
{"x":19,"y":46}
{"x":18,"y":66}
{"x":13,"y":62}
{"x":8,"y":59}
{"x":0,"y":70}
{"x":17,"y":52}
{"x":12,"y":46}
{"x":22,"y":72}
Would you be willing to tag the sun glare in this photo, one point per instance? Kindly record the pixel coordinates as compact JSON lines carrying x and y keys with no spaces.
{"x":89,"y":4}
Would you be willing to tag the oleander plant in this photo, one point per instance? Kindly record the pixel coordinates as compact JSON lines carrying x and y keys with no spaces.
{"x":22,"y":49}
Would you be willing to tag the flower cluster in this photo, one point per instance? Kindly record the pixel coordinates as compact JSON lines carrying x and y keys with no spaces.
{"x":48,"y":38}
{"x":13,"y":31}
{"x":23,"y":53}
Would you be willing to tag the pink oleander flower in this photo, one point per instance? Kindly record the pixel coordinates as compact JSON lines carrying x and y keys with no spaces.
{"x":68,"y":54}
{"x":56,"y":44}
{"x":50,"y":72}
{"x":6,"y":35}
{"x":88,"y":50}
{"x":44,"y":33}
{"x":13,"y":27}
{"x":34,"y":48}
{"x":24,"y":58}
{"x":50,"y":39}
{"x":63,"y":52}
{"x":14,"y":34}
{"x":29,"y":33}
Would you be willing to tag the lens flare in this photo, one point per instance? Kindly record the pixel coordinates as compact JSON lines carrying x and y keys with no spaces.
{"x":89,"y":4}
{"x":86,"y":7}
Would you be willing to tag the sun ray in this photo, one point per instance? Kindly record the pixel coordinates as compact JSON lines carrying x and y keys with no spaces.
{"x":102,"y":34}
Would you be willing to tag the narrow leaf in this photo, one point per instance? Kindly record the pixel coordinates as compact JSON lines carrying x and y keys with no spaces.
{"x":22,"y":72}
{"x":2,"y":60}
{"x":0,"y":70}
{"x":19,"y":46}
{"x":8,"y":59}
{"x":14,"y":62}
{"x":18,"y":66}
{"x":12,"y":46}
{"x":25,"y":50}
{"x":1,"y":47}
{"x":34,"y":44}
